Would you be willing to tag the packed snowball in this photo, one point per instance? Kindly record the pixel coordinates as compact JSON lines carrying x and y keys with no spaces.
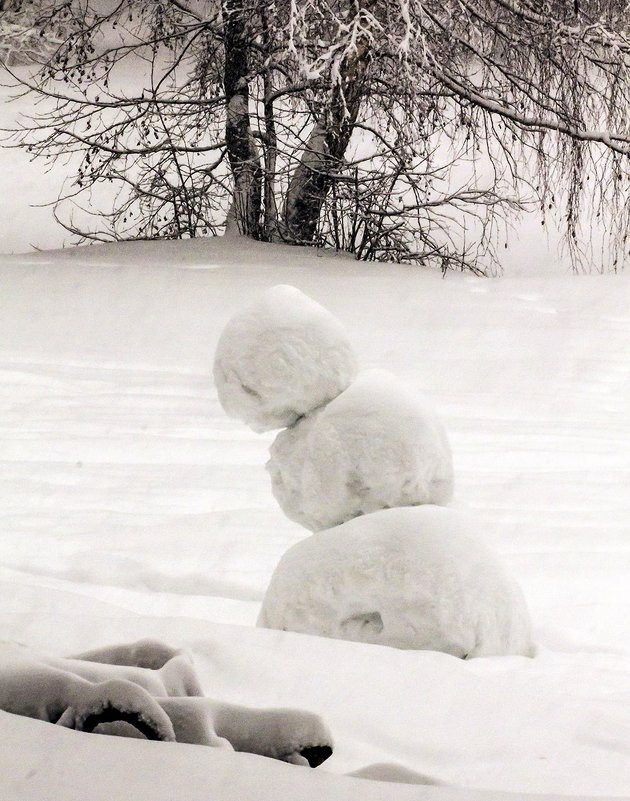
{"x":377,"y":445}
{"x":413,"y":577}
{"x":280,"y":358}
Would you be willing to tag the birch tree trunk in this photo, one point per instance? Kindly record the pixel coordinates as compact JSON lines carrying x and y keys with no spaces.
{"x":244,"y":214}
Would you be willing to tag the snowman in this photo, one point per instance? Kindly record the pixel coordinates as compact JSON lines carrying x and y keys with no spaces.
{"x":365,"y":463}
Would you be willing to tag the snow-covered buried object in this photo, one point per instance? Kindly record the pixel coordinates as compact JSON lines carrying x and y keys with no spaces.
{"x":147,"y":689}
{"x":413,"y":577}
{"x":377,"y":445}
{"x":280,"y":358}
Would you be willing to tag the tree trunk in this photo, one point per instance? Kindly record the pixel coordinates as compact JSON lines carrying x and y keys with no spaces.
{"x":244,"y":214}
{"x":270,"y":211}
{"x":327,"y":143}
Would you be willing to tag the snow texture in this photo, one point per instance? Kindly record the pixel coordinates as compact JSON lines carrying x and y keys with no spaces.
{"x":281,"y":358}
{"x":414,"y":578}
{"x":377,"y":445}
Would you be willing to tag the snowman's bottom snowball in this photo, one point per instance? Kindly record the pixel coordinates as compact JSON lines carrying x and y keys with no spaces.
{"x":411,"y":577}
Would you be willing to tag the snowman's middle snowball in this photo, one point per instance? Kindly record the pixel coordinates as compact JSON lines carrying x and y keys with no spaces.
{"x":377,"y":445}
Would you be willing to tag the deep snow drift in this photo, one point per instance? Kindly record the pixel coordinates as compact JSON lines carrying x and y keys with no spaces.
{"x":133,"y":507}
{"x":412,"y":577}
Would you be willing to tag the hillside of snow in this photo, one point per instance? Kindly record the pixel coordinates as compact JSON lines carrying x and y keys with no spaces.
{"x":132,"y":506}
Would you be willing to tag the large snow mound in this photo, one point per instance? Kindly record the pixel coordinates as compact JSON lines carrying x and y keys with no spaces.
{"x":413,"y":577}
{"x":377,"y":445}
{"x":280,"y":358}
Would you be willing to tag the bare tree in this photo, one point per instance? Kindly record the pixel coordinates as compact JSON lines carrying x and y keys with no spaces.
{"x":400,"y":129}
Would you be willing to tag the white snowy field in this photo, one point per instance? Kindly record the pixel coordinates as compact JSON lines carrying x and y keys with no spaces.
{"x":131,"y":506}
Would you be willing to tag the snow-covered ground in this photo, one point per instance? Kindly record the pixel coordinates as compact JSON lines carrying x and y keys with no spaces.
{"x":132,"y":506}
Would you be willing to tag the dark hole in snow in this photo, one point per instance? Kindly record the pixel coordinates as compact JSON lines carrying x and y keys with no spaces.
{"x":112,"y":715}
{"x":316,"y":754}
